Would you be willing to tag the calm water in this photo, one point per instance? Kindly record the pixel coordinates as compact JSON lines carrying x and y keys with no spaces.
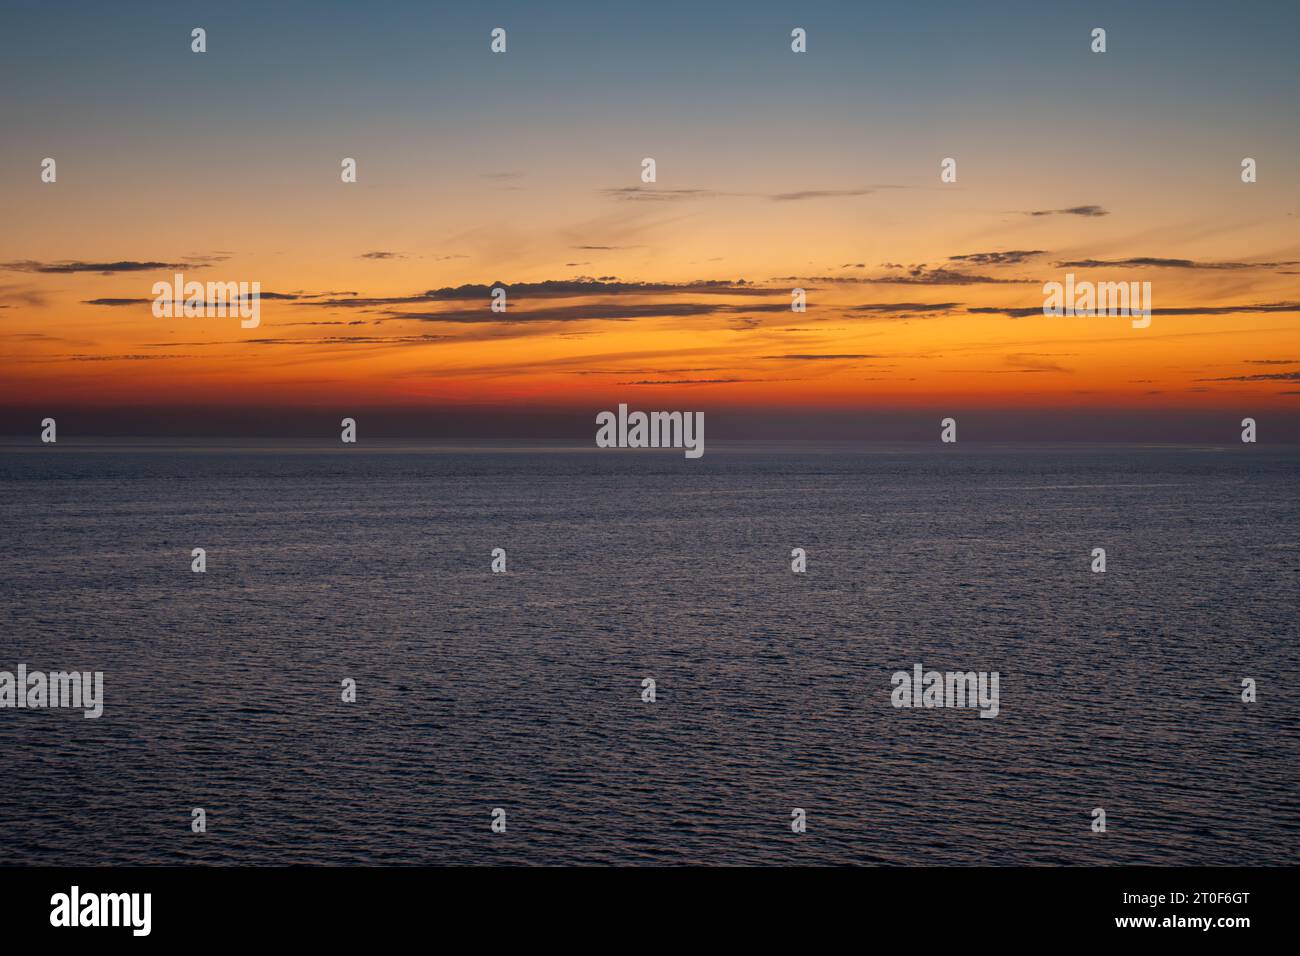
{"x":1119,"y":690}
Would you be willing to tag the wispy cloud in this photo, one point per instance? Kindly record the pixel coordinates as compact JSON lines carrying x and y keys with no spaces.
{"x":902,"y":308}
{"x":236,"y":300}
{"x":693,"y":381}
{"x":1262,"y":377}
{"x":652,"y":194}
{"x":917,"y":275}
{"x":923,"y":275}
{"x":349,"y":340}
{"x":818,"y":194}
{"x":587,"y":312}
{"x":1008,"y":257}
{"x":556,"y":288}
{"x":1160,"y":263}
{"x":104,"y":268}
{"x":1085,"y":211}
{"x":122,"y":358}
{"x":1025,"y":312}
{"x":13,"y":295}
{"x":806,"y":357}
{"x":1035,"y":362}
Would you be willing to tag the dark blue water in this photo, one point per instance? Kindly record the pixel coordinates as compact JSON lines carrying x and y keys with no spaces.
{"x":522,"y":691}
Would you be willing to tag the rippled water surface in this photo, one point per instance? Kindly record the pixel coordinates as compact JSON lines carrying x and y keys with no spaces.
{"x":523,"y":690}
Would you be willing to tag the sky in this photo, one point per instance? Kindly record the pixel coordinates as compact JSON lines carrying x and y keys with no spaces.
{"x":775,"y":170}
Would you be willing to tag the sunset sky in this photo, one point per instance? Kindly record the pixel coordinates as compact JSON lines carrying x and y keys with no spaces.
{"x":774,"y":170}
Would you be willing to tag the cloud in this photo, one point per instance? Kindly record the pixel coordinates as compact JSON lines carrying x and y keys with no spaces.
{"x":1154,"y":262}
{"x":922,"y":275}
{"x":1284,"y":307}
{"x":1035,"y":362}
{"x":1009,"y":257}
{"x":694,"y":381}
{"x":122,"y":358}
{"x":381,"y":255}
{"x":819,"y":358}
{"x":237,"y":300}
{"x":646,"y":371}
{"x":903,"y":308}
{"x":817,"y":194}
{"x":1268,"y":377}
{"x":349,"y":340}
{"x":286,"y":325}
{"x":919,"y":275}
{"x":104,"y":268}
{"x":644,"y":194}
{"x":21,"y":295}
{"x":655,"y":194}
{"x":1087,"y":211}
{"x":556,"y":288}
{"x":616,"y":312}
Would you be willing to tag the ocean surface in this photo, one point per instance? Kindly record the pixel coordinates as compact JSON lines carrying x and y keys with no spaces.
{"x":522,"y":690}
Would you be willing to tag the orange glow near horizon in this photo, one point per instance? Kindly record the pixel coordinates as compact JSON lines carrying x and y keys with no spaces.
{"x":858,"y":344}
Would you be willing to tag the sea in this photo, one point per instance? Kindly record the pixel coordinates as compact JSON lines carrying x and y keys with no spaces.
{"x":521,"y":697}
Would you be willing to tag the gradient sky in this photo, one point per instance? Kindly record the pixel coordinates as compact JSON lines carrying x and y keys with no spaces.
{"x":775,"y":170}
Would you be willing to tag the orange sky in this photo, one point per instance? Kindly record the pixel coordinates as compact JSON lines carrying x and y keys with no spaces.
{"x":821,"y":173}
{"x":878,"y":330}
